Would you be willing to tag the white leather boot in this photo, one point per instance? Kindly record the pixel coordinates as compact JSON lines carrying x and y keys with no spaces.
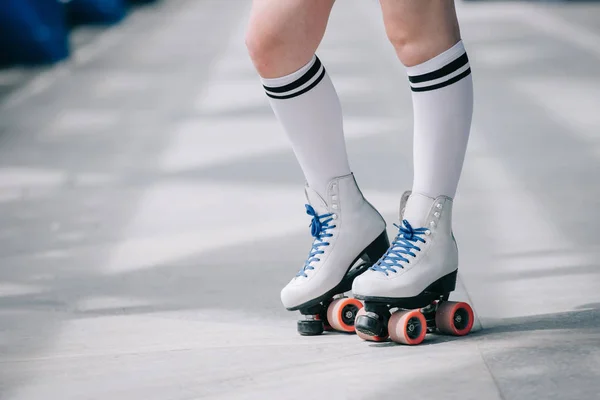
{"x":422,"y":260}
{"x":349,"y":236}
{"x":406,"y":293}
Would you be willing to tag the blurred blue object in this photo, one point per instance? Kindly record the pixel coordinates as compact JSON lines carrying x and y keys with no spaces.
{"x":32,"y":32}
{"x":96,"y":12}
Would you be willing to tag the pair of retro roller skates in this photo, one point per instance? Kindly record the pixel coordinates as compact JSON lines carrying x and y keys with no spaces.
{"x":380,"y":319}
{"x":401,"y":289}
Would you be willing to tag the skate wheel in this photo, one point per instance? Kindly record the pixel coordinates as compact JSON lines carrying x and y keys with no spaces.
{"x":454,"y":318}
{"x":407,"y":327}
{"x":366,"y":336}
{"x":341,"y":314}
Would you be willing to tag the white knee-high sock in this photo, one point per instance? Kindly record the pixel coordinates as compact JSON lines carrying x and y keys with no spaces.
{"x":442,"y":94}
{"x":306,"y":104}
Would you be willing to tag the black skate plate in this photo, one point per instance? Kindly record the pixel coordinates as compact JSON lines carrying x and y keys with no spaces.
{"x":440,"y":287}
{"x":346,"y":283}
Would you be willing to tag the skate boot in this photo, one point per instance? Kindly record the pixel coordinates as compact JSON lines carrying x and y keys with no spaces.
{"x":406,"y":292}
{"x":349,"y":237}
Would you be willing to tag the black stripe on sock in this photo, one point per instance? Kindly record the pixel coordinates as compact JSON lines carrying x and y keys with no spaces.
{"x":440,"y":73}
{"x":299,"y":82}
{"x":443,"y":84}
{"x":306,"y":89}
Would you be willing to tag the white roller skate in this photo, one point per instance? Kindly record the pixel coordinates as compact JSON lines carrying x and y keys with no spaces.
{"x":349,"y":237}
{"x":415,"y":276}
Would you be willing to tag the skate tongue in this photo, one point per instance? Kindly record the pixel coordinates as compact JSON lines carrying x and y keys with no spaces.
{"x":417,"y":209}
{"x":403,"y":201}
{"x":316,"y":201}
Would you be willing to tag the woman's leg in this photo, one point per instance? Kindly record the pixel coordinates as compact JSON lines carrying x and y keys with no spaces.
{"x":282,"y":39}
{"x":284,"y":35}
{"x":422,"y":263}
{"x":426,"y":37}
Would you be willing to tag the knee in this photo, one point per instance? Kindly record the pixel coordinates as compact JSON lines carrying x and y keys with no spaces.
{"x":410,"y":48}
{"x":262,"y":47}
{"x":402,"y":41}
{"x":414,"y":47}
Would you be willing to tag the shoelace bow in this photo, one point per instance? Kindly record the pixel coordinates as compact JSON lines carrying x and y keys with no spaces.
{"x":404,"y":243}
{"x":318,"y":229}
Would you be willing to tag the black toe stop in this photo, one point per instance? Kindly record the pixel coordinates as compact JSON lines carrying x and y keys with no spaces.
{"x":310,"y":328}
{"x":369,"y":324}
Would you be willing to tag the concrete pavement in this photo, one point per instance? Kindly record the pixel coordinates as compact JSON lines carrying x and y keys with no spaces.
{"x":151,"y":209}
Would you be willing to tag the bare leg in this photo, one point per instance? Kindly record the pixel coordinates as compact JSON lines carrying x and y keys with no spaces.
{"x":284,"y":35}
{"x":420,"y":30}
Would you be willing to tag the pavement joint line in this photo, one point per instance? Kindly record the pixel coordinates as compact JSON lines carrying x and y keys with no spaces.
{"x":490,"y":372}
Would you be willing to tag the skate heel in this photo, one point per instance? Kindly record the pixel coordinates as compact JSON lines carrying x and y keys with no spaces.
{"x":377,"y":248}
{"x":444,"y":285}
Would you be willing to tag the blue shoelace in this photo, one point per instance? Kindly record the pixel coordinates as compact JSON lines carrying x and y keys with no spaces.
{"x":404,"y":243}
{"x":318,"y":229}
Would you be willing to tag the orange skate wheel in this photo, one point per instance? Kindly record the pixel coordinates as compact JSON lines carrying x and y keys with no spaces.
{"x":341,"y":313}
{"x":407,"y":327}
{"x":367,"y":337}
{"x":454,"y":318}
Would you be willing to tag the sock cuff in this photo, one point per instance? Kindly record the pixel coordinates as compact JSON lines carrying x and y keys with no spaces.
{"x":296,"y":83}
{"x":444,"y":69}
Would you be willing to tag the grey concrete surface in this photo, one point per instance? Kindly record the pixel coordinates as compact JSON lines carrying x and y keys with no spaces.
{"x":151,"y":209}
